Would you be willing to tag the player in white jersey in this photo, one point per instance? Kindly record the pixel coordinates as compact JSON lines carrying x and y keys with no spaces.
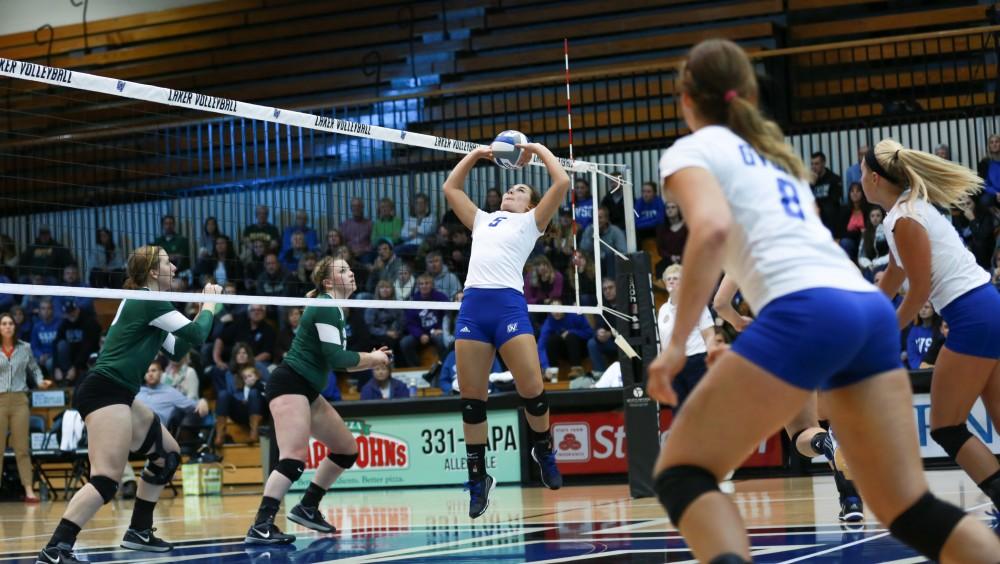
{"x":819,"y":326}
{"x":494,"y":315}
{"x":926,"y":250}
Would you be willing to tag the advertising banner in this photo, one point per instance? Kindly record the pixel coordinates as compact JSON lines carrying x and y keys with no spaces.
{"x":420,"y":450}
{"x":979,"y":424}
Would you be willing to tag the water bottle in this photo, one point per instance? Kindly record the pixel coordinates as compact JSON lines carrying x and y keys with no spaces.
{"x":413,"y":388}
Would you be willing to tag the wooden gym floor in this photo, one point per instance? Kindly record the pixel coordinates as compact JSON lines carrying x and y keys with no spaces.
{"x":790,"y":519}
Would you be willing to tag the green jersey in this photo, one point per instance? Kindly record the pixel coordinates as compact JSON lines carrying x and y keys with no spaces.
{"x":320,"y":345}
{"x":140,"y":330}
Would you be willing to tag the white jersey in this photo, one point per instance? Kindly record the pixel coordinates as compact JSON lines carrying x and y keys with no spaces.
{"x":501,"y":243}
{"x":954,"y":270}
{"x":695,"y":343}
{"x":777,"y":244}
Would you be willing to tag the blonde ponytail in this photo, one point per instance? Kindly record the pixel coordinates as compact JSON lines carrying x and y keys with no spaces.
{"x":929,"y":177}
{"x":719,"y":78}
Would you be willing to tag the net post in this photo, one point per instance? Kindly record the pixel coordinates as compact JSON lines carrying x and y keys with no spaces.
{"x":628,"y":199}
{"x":642,"y":417}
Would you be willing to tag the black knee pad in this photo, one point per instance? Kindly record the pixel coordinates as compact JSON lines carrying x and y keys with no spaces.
{"x":105,"y":486}
{"x":290,"y":468}
{"x":161,"y":474}
{"x":679,"y":486}
{"x":537,"y":406}
{"x":345,"y":461}
{"x":473,"y":411}
{"x":926,"y":525}
{"x":729,"y":558}
{"x":951,"y":438}
{"x":154,"y":438}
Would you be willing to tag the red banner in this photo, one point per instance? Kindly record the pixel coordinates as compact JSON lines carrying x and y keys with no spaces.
{"x":594,"y":443}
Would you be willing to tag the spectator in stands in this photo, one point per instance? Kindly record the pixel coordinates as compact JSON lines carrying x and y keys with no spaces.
{"x":179,"y":375}
{"x":564,"y":337}
{"x":209,"y":231}
{"x":310,"y":238}
{"x":8,"y":254}
{"x":45,"y":257}
{"x":334,"y":241}
{"x":940,"y":337}
{"x":387,"y":225}
{"x":263,"y":229}
{"x":419,"y":225}
{"x":294,"y":251}
{"x":274,"y":281}
{"x":448,"y":324}
{"x":671,"y":236}
{"x":167,"y":402}
{"x":358,"y":230}
{"x":385,"y":324}
{"x":827,"y":189}
{"x":383,"y":386}
{"x":448,"y":375}
{"x":23,"y":322}
{"x":614,"y":200}
{"x":18,"y":373}
{"x":242,"y":402}
{"x":222,"y":266}
{"x":492,"y":201}
{"x":584,"y":214}
{"x":542,"y":282}
{"x":918,"y":336}
{"x":651,"y":211}
{"x":444,"y":281}
{"x":977,"y":227}
{"x":44,"y":331}
{"x":177,"y":246}
{"x":386,"y":265}
{"x":943,"y":151}
{"x":253,"y":265}
{"x":459,"y":248}
{"x":558,"y":240}
{"x":437,"y":241}
{"x":873,"y":252}
{"x":851,"y":224}
{"x":78,"y":337}
{"x":610,"y":234}
{"x":581,"y":267}
{"x":601,"y":347}
{"x":106,"y":261}
{"x":286,"y":334}
{"x":989,"y":171}
{"x":251,"y":329}
{"x":71,"y":279}
{"x":404,"y":283}
{"x":302,"y":278}
{"x":424,"y":325}
{"x":853,"y":173}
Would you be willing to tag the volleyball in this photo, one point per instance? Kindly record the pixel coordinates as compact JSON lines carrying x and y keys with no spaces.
{"x":505,"y":153}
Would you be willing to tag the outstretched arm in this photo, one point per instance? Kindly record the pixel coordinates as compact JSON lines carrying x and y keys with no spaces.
{"x":454,"y":186}
{"x":556,"y":194}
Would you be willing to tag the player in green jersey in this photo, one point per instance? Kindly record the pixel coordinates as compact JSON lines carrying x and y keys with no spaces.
{"x":320,"y":346}
{"x":116,"y":423}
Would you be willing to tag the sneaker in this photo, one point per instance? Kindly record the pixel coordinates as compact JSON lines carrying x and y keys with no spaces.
{"x":267,"y":533}
{"x":546,"y":460}
{"x":145,"y":540}
{"x":851,"y":510}
{"x":310,"y":518}
{"x":61,"y":553}
{"x":479,"y":495}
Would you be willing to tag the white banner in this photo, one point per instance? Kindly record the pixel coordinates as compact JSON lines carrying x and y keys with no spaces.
{"x":979,"y":424}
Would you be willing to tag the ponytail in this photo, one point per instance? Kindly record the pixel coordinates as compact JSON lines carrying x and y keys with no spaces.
{"x":719,"y":78}
{"x":319,"y":274}
{"x":929,"y":177}
{"x":143,"y":260}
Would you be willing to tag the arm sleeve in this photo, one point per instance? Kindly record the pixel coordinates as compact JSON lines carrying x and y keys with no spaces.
{"x":175,"y":348}
{"x":164,"y":316}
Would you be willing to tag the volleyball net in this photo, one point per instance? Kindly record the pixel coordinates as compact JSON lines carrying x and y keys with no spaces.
{"x":251,"y":196}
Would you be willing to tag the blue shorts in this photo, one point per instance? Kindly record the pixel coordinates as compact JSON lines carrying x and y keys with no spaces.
{"x":974,"y":322}
{"x":492,"y":315}
{"x":823,"y":338}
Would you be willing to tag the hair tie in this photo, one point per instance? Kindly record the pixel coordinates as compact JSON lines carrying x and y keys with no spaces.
{"x":730,"y":94}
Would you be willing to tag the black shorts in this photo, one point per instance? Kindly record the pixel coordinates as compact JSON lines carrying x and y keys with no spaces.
{"x":284,"y":381}
{"x":99,"y":391}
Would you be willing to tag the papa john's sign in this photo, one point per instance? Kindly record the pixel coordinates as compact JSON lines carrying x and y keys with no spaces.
{"x":594,"y":443}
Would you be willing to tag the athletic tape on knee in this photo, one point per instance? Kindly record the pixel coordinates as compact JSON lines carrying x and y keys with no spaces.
{"x":679,"y":486}
{"x":105,"y":486}
{"x":537,"y":406}
{"x":290,"y":468}
{"x":345,"y":461}
{"x":927,"y":524}
{"x":951,"y":438}
{"x":473,"y":411}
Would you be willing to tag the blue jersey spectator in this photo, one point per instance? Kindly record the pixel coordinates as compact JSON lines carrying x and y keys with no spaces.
{"x":301,"y":226}
{"x":919,"y":335}
{"x":424,"y":326}
{"x":43,"y":335}
{"x":584,"y":212}
{"x":649,"y":210}
{"x":564,"y":336}
{"x":383,"y":386}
